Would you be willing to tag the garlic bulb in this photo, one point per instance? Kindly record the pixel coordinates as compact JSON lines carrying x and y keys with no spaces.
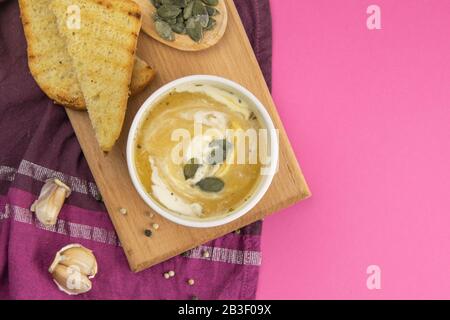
{"x":72,"y":268}
{"x":50,"y":201}
{"x":70,"y":280}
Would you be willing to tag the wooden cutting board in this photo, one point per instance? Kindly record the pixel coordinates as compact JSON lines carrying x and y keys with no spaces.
{"x":232,"y":58}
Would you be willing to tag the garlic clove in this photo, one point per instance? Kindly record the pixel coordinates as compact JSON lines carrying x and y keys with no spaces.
{"x":72,"y":268}
{"x":50,"y":201}
{"x":76,"y":255}
{"x":71,"y":280}
{"x":62,"y":185}
{"x":81,"y":257}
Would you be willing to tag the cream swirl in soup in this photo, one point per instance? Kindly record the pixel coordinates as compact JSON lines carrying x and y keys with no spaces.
{"x":189,"y":155}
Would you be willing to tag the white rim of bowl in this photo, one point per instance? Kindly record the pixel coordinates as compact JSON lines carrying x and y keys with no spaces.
{"x":261,"y":189}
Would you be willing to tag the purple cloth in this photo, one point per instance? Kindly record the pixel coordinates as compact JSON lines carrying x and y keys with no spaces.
{"x":37,"y":142}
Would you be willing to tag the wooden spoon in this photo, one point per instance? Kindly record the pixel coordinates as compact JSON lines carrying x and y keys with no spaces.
{"x":183,"y":42}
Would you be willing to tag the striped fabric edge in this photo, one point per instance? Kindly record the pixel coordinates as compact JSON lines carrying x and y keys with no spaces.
{"x":233,"y":256}
{"x":40,"y":173}
{"x":63,"y":227}
{"x":81,"y":231}
{"x":7,"y":173}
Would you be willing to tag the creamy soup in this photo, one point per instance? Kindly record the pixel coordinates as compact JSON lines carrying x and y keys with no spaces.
{"x":198,"y":173}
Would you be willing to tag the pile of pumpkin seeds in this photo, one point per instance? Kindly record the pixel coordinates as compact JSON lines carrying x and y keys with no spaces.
{"x":191,"y":17}
{"x":218,"y":156}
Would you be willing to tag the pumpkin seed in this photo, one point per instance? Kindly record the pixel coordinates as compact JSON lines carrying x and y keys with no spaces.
{"x":190,"y":169}
{"x":204,"y":20}
{"x":168,"y":11}
{"x":180,"y":3}
{"x":212,"y":11}
{"x":164,"y":30}
{"x":194,"y":29}
{"x":211,"y":2}
{"x":221,"y":149}
{"x":211,"y":24}
{"x":170,"y":21}
{"x":179,"y":28}
{"x":211,"y":184}
{"x":187,"y":12}
{"x":199,"y":9}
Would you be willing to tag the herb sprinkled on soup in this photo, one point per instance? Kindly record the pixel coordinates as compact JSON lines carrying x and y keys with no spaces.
{"x":196,"y":152}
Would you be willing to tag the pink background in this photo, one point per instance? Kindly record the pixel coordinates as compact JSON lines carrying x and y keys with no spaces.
{"x":368,"y":114}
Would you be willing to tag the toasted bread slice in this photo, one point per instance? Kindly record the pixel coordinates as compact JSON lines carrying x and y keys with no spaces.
{"x":48,"y":60}
{"x":102,"y":52}
{"x":50,"y":63}
{"x":143,"y":74}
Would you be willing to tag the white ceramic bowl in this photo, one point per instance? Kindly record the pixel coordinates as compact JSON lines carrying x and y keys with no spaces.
{"x":263,"y":183}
